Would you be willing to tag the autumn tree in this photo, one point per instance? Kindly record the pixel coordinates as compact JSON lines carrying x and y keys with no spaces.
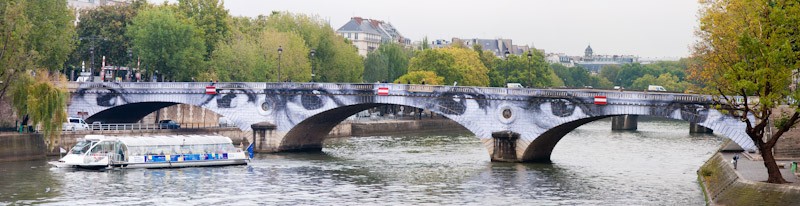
{"x":420,"y":77}
{"x":750,"y":48}
{"x":335,"y":59}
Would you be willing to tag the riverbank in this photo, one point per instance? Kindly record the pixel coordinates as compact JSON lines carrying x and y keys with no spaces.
{"x":724,"y":185}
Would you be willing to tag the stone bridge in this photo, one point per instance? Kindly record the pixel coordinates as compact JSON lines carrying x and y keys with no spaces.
{"x":513,"y":124}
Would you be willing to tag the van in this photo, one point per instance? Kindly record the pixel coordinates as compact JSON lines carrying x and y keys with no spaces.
{"x":74,"y":124}
{"x":514,"y":85}
{"x":656,"y":88}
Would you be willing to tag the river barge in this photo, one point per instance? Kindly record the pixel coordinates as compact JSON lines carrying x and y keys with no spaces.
{"x":107,"y":152}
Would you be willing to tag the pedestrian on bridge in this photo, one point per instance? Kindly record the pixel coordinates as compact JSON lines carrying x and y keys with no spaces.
{"x":735,"y":160}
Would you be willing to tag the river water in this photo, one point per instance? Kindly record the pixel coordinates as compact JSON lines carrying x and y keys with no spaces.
{"x":591,"y":166}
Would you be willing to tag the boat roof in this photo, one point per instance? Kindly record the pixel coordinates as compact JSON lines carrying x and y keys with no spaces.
{"x":159,"y":140}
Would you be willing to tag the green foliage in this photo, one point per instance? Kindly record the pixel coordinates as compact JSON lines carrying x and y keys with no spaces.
{"x":750,"y":48}
{"x":420,"y":77}
{"x":667,"y":80}
{"x":529,"y":71}
{"x":255,"y":58}
{"x":42,"y":101}
{"x":211,"y":17}
{"x":104,"y":29}
{"x":454,"y":64}
{"x":167,"y":42}
{"x":387,"y":63}
{"x":36,"y":36}
{"x":578,"y":77}
{"x":336,"y":60}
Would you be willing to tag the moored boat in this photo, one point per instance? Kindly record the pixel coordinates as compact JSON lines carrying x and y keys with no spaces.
{"x":99,"y":151}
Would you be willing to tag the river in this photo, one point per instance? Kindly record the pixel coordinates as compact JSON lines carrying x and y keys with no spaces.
{"x":591,"y":166}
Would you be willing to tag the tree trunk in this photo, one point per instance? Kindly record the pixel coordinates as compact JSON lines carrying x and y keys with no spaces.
{"x":772,"y":167}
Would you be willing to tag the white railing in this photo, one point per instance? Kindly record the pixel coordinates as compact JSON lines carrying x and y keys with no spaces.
{"x":396,"y":89}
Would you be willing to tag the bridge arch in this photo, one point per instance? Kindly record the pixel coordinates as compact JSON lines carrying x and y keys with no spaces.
{"x":310,"y":133}
{"x":128,"y":113}
{"x":541,"y":148}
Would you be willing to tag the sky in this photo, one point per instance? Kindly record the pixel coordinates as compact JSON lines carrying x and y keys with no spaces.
{"x":644,"y":28}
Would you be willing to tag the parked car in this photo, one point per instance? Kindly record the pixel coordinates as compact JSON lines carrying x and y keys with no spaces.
{"x":168,"y":124}
{"x":74,"y":124}
{"x":656,"y":88}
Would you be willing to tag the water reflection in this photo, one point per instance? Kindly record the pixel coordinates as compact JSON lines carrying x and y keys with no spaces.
{"x":592,"y":165}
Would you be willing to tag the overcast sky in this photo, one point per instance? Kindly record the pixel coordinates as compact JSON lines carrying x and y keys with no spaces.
{"x":646,"y":28}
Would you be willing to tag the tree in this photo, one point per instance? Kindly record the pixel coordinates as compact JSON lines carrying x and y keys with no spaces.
{"x":167,"y":43}
{"x":255,"y":58}
{"x":751,"y":48}
{"x":578,"y":77}
{"x":387,"y":63}
{"x":35,"y":36}
{"x":453,"y":64}
{"x":336,"y":60}
{"x":420,"y":77}
{"x":40,"y":99}
{"x":103,"y":28}
{"x":211,"y":17}
{"x":531,"y":72}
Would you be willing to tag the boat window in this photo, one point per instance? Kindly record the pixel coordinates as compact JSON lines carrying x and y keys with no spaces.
{"x":81,"y":147}
{"x":103,"y":148}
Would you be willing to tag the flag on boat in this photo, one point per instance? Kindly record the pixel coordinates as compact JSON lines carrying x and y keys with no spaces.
{"x":250,"y":150}
{"x":62,"y":150}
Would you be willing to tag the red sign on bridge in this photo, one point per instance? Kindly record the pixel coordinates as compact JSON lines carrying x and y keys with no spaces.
{"x":211,"y":90}
{"x":383,"y":91}
{"x":600,"y":100}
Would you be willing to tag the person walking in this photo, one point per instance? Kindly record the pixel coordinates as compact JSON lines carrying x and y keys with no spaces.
{"x":735,"y":160}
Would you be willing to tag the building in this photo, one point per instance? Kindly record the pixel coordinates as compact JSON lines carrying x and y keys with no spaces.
{"x":368,"y":34}
{"x":496,"y":46}
{"x":594,"y":63}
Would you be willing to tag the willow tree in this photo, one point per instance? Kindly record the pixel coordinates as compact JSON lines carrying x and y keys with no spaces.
{"x":751,"y":48}
{"x":44,"y":102}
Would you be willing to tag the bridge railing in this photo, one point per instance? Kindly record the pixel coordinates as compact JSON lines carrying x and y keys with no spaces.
{"x":612,"y":95}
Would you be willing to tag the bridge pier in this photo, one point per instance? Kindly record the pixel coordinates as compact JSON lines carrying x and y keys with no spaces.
{"x":696,"y":128}
{"x":263,"y":132}
{"x":505,"y":147}
{"x":624,"y":122}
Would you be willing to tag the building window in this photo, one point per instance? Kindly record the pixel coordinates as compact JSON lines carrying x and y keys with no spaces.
{"x":348,"y":35}
{"x":356,"y":36}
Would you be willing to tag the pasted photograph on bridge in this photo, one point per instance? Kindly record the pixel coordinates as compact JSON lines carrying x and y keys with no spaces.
{"x":197,"y":102}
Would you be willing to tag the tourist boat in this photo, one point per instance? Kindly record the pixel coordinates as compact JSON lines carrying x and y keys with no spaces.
{"x":105,"y":152}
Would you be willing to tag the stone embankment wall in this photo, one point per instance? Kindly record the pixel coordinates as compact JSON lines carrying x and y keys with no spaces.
{"x":788,"y":146}
{"x":722,"y":185}
{"x":19,"y":147}
{"x":186,"y":115}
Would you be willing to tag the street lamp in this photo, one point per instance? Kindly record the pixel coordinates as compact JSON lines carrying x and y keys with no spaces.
{"x":507,"y":65}
{"x":91,"y":65}
{"x":313,"y":53}
{"x":530,"y":67}
{"x":280,"y":50}
{"x":130,"y":59}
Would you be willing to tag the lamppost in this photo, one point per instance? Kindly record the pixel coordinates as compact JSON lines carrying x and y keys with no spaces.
{"x":92,"y":42}
{"x":91,"y":64}
{"x":130,"y":59}
{"x":313,"y":53}
{"x":530,"y":67}
{"x":280,"y":50}
{"x":507,"y":66}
